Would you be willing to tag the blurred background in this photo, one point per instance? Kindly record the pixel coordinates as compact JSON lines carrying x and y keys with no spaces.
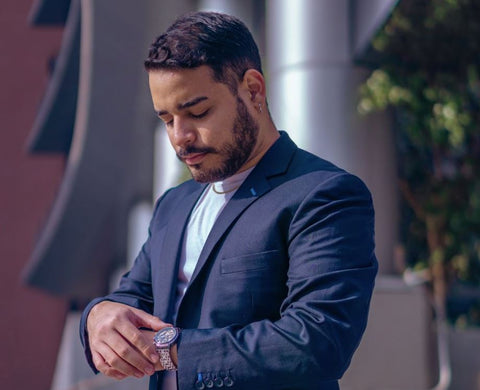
{"x":387,"y":89}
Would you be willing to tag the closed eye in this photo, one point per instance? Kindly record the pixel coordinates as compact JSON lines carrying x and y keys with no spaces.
{"x":168,"y":121}
{"x":201,"y":115}
{"x":168,"y":118}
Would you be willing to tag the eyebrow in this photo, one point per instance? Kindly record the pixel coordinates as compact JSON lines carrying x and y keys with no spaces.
{"x":183,"y":106}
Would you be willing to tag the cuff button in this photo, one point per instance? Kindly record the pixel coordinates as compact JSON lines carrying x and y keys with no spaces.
{"x":228,"y":381}
{"x":199,"y":385}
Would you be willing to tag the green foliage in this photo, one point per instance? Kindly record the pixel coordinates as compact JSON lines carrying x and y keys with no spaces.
{"x":429,"y":74}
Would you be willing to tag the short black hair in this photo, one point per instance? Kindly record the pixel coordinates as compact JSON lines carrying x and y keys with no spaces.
{"x":217,"y":40}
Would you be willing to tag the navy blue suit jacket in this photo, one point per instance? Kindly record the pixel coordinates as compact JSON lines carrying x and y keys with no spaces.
{"x":280,"y":295}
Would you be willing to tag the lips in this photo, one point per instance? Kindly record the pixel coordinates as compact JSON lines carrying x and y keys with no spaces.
{"x":194,"y":158}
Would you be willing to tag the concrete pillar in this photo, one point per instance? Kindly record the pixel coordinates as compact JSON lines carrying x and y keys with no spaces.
{"x":313,"y":95}
{"x":167,"y":169}
{"x":150,"y":20}
{"x":240,"y":9}
{"x":396,"y":350}
{"x":250,"y":12}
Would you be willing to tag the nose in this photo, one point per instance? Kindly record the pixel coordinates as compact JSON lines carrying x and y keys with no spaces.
{"x":183,"y":133}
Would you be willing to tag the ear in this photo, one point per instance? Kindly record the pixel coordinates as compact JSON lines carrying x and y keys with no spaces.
{"x":253,"y":85}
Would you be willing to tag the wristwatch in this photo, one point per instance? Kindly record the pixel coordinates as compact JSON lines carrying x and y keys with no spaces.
{"x":163,"y":340}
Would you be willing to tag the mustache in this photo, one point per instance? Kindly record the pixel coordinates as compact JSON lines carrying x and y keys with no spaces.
{"x":183,"y":153}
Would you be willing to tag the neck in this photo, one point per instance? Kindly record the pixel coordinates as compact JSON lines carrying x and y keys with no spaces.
{"x":266,"y":138}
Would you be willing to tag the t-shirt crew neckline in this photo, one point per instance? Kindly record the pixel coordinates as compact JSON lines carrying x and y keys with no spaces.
{"x":230,"y":184}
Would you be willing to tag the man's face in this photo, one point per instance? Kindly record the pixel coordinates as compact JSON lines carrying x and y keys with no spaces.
{"x":210,"y":129}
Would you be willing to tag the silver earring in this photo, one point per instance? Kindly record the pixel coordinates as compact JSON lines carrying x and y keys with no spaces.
{"x":260,"y":107}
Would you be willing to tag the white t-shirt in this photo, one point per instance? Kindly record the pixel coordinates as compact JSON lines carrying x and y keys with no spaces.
{"x":205,"y":213}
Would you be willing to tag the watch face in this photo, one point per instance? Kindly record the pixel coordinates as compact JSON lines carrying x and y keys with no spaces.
{"x":165,"y":336}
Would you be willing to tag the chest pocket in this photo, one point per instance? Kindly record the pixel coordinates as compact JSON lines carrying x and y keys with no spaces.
{"x":252,"y":262}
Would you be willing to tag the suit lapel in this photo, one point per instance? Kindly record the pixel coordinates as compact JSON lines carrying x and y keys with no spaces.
{"x":275,"y":162}
{"x":239,"y":202}
{"x":171,"y":251}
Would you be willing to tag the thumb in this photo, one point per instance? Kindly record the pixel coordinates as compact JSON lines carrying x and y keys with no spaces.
{"x":144,"y":320}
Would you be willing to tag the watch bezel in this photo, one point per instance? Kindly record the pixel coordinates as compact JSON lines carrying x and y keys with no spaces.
{"x":170,"y":330}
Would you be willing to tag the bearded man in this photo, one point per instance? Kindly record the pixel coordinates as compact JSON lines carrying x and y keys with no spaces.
{"x":258,"y":272}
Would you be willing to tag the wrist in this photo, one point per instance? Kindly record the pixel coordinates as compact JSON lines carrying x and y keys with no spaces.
{"x":174,"y":354}
{"x":90,"y":319}
{"x":165,"y":344}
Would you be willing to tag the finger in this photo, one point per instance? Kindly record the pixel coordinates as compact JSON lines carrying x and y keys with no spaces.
{"x":127,"y":347}
{"x":143,"y":319}
{"x":104,"y":368}
{"x":119,"y":360}
{"x":139,"y":340}
{"x":159,"y":367}
{"x":114,"y":348}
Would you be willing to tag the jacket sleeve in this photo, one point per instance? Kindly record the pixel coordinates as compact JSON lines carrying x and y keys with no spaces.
{"x":135,"y":290}
{"x":330,"y":279}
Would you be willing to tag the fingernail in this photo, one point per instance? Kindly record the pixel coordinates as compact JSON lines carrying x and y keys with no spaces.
{"x":154,"y":358}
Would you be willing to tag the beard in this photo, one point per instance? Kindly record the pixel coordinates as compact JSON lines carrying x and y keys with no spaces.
{"x":234,"y":153}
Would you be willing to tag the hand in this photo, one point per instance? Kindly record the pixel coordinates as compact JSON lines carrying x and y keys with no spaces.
{"x":119,"y":348}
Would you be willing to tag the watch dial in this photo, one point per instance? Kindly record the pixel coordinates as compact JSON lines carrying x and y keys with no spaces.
{"x":165,"y":335}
